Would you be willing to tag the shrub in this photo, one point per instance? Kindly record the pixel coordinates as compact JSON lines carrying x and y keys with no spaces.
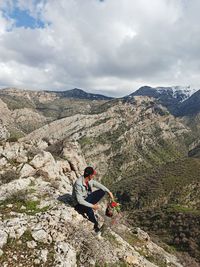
{"x":15,"y":136}
{"x":19,"y":196}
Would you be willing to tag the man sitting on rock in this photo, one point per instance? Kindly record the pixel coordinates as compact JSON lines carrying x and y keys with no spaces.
{"x":85,"y":198}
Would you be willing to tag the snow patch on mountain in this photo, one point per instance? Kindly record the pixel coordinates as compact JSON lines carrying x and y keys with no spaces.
{"x":183,"y":92}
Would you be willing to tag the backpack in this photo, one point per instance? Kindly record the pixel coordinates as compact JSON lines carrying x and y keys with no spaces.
{"x":112,"y":209}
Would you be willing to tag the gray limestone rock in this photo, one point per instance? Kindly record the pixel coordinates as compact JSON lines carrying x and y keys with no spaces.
{"x":31,"y":244}
{"x":3,"y":238}
{"x":13,"y":187}
{"x":41,"y":236}
{"x":65,"y":255}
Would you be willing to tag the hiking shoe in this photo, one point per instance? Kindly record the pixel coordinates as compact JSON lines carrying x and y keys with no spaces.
{"x":96,"y":216}
{"x":97,"y":229}
{"x":99,"y":235}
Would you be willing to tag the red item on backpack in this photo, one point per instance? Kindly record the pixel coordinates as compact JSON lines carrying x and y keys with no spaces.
{"x":111,"y":208}
{"x":114,"y":204}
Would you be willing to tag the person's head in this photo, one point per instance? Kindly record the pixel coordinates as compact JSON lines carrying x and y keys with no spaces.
{"x":89,"y":172}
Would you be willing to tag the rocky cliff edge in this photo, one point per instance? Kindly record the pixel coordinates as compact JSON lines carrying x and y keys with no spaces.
{"x":39,"y":227}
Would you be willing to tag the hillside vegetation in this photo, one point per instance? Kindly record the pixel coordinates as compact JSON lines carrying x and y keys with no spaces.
{"x":165,"y":201}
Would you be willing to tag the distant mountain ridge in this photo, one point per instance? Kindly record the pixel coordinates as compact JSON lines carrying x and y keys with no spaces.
{"x":191,"y":106}
{"x":81,"y":94}
{"x":179,"y":93}
{"x":170,"y":97}
{"x":53,"y":105}
{"x":73,"y":93}
{"x":176,"y":93}
{"x":180,"y":101}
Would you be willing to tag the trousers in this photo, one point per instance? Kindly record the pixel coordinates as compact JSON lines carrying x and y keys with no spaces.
{"x":92,"y":198}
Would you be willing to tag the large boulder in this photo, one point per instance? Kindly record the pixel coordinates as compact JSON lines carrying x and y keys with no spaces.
{"x":72,"y":153}
{"x":12,"y":151}
{"x":7,"y":190}
{"x":46,"y":166}
{"x":41,"y":236}
{"x":42,"y":159}
{"x":27,"y":171}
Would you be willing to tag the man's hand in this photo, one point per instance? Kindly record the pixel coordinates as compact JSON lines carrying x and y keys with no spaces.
{"x":111,"y":195}
{"x":96,"y":207}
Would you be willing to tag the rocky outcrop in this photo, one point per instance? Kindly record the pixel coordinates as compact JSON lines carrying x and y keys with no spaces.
{"x":4,"y":133}
{"x":71,"y":238}
{"x":5,"y":112}
{"x":37,"y":228}
{"x":4,"y":121}
{"x":72,"y":153}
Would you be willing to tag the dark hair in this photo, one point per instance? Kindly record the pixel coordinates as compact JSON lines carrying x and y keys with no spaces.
{"x":88,"y":171}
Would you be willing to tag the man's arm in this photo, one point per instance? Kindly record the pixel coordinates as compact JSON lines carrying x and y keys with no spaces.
{"x":104,"y":188}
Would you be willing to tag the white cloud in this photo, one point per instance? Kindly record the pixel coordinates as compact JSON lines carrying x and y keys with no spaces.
{"x":5,"y":24}
{"x":113,"y":46}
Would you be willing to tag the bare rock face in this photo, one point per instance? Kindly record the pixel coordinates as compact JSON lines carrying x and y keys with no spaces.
{"x":4,"y":133}
{"x":31,"y":244}
{"x":72,"y":152}
{"x":42,"y":159}
{"x":3,"y":162}
{"x":4,"y":121}
{"x":47,"y":167}
{"x":13,"y":151}
{"x":65,"y":256}
{"x":3,"y":238}
{"x":27,"y":171}
{"x":5,"y":113}
{"x":19,"y":121}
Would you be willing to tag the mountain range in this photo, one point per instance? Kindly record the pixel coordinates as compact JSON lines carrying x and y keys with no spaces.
{"x":181,"y":101}
{"x":144,"y":146}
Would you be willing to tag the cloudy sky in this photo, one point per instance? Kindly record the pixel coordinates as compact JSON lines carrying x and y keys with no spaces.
{"x":109,"y":46}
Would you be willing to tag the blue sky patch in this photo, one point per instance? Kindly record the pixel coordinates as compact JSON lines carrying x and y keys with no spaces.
{"x":24,"y":19}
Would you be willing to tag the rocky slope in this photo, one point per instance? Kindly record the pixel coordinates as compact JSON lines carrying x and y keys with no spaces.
{"x":124,"y":139}
{"x":137,"y":147}
{"x":165,"y":201}
{"x":18,"y":122}
{"x":52,"y":104}
{"x":24,"y":111}
{"x":31,"y":96}
{"x":39,"y":227}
